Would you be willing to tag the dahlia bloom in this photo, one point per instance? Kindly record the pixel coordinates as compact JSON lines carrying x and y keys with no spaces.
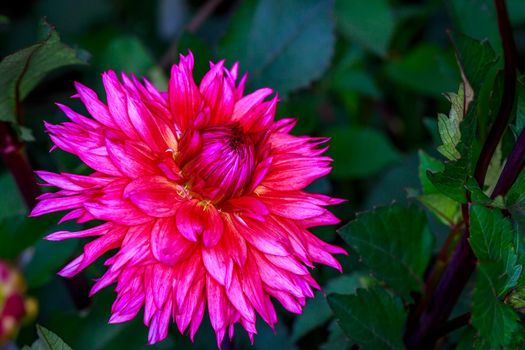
{"x":201,"y":194}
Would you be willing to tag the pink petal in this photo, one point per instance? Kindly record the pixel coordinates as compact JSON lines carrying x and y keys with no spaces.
{"x":167,"y":244}
{"x":154,"y":195}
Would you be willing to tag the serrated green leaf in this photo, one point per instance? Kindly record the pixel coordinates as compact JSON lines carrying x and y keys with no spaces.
{"x":447,"y":210}
{"x":356,"y":23}
{"x":476,"y":60}
{"x":448,"y":127}
{"x":477,"y":196}
{"x":428,"y":163}
{"x":444,"y":208}
{"x":373,"y":318}
{"x":272,"y":38}
{"x":316,"y":311}
{"x":395,"y":243}
{"x":492,"y":239}
{"x":492,"y":236}
{"x":515,"y":201}
{"x":359,"y":152}
{"x":49,"y":340}
{"x":495,"y":320}
{"x":23,"y":70}
{"x":451,"y":181}
{"x":494,"y":170}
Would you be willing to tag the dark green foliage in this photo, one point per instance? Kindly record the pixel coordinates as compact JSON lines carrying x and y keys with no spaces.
{"x":373,"y":318}
{"x":493,"y":240}
{"x":270,"y":39}
{"x":23,"y":70}
{"x":47,"y":340}
{"x":395,"y":243}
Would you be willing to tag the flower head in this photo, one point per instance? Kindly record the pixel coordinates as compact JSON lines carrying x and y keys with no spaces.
{"x":201,"y":194}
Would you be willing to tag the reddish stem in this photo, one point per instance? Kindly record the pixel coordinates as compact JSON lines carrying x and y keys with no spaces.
{"x":509,"y":92}
{"x":16,"y":161}
{"x":425,"y":331}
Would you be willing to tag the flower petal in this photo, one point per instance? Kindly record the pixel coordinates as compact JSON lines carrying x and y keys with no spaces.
{"x":154,"y":195}
{"x":167,"y":244}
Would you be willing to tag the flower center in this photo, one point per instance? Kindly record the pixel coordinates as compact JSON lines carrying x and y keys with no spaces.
{"x":221,"y":163}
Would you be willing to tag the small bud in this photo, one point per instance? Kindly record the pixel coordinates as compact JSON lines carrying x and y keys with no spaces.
{"x":14,"y":306}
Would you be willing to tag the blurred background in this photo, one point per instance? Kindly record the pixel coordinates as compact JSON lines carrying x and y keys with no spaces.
{"x":369,"y":74}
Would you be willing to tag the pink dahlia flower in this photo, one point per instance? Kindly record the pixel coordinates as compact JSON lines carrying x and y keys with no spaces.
{"x":201,"y":194}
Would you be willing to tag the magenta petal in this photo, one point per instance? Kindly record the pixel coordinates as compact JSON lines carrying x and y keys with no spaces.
{"x":213,"y":226}
{"x":189,"y":221}
{"x":154,"y":195}
{"x":167,"y":244}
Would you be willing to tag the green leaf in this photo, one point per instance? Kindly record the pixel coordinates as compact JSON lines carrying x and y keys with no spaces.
{"x":373,"y":318}
{"x":449,"y":130}
{"x":444,"y":208}
{"x":451,"y":181}
{"x":23,"y":70}
{"x":428,"y":163}
{"x":476,"y":58}
{"x":466,"y":341}
{"x":492,"y":239}
{"x":355,"y":21}
{"x":520,"y":108}
{"x":316,"y":311}
{"x":359,"y":151}
{"x":395,"y":243}
{"x":426,"y":69}
{"x":480,"y":23}
{"x":515,"y":201}
{"x":48,"y":340}
{"x":477,"y":196}
{"x":492,"y":236}
{"x":278,"y":49}
{"x":495,"y":321}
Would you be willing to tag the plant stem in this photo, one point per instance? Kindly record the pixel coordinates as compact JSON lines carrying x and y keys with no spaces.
{"x":446,"y":294}
{"x":424,"y":332}
{"x":455,"y":323}
{"x":16,"y":161}
{"x":512,"y":168}
{"x":509,"y":92}
{"x":436,"y":272}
